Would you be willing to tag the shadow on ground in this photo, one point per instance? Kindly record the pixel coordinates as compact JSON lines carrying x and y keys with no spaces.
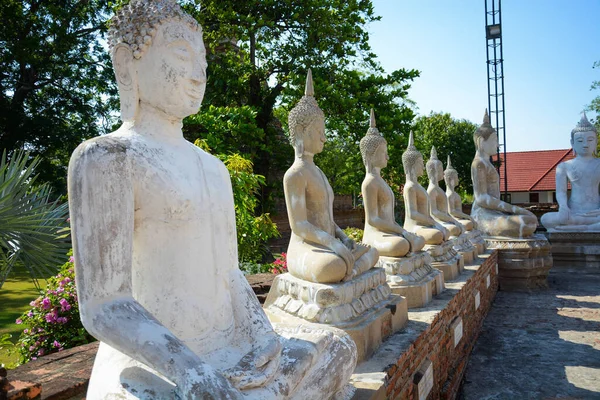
{"x":543,"y":345}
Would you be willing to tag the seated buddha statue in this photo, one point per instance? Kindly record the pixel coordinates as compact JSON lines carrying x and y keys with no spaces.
{"x":418,"y":219}
{"x":319,"y":251}
{"x":453,"y":198}
{"x":580,"y":211}
{"x":381,"y":229}
{"x":493,"y":216}
{"x":154,"y":237}
{"x":437,"y":198}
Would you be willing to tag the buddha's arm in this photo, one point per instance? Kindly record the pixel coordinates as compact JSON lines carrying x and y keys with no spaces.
{"x":102,"y":217}
{"x":561,"y":187}
{"x":480,"y":190}
{"x":455,"y":206}
{"x":412,"y":208}
{"x":372,"y":217}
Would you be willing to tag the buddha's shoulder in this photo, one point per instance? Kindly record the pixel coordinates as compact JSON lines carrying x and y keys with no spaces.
{"x":299,"y":172}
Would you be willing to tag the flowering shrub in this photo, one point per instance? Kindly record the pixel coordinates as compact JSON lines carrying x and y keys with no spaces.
{"x":280,"y":265}
{"x":52,"y":324}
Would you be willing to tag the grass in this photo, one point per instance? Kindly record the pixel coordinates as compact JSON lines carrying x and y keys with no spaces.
{"x":15,"y":295}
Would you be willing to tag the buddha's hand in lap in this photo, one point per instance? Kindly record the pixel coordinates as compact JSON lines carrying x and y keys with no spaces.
{"x":258,"y":366}
{"x":593,"y":213}
{"x":345,"y":253}
{"x":203,"y":382}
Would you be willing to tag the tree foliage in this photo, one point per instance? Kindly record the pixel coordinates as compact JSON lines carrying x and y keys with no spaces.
{"x":449,"y":136}
{"x":56,"y":83}
{"x":595,"y":104}
{"x":259,"y":53}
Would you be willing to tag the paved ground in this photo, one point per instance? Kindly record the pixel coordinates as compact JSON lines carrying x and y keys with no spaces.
{"x":540,"y":346}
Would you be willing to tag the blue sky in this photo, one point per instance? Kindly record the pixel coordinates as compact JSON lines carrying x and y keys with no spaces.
{"x":549,"y":50}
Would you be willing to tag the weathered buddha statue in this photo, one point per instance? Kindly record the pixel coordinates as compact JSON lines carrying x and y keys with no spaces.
{"x":332,"y":280}
{"x":155,"y":245}
{"x":493,"y":216}
{"x":381,"y":229}
{"x":319,"y":251}
{"x":580,"y":211}
{"x":418,"y":219}
{"x":453,"y":198}
{"x":409,"y":271}
{"x":438,"y":204}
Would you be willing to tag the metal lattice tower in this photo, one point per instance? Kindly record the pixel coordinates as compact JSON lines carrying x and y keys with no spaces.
{"x":495,"y":74}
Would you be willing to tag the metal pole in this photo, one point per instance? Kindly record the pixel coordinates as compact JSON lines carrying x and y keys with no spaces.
{"x":503,"y":109}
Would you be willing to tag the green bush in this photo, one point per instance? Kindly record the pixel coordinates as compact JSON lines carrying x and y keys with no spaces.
{"x":355,"y":234}
{"x":53,"y":324}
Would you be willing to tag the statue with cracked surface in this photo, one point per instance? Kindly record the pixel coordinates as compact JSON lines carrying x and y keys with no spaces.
{"x":418,"y":218}
{"x":155,"y":245}
{"x":381,"y":229}
{"x":581,"y":211}
{"x":493,"y":216}
{"x":319,"y":251}
{"x":438,"y":202}
{"x":453,"y":199}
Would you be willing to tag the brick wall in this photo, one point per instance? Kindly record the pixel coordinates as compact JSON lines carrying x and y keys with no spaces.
{"x":436,"y":341}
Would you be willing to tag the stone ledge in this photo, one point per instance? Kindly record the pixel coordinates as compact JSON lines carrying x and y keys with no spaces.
{"x":389,"y":372}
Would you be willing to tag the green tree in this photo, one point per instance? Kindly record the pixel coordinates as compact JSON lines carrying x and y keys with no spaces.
{"x":259,"y":53}
{"x":32,"y":227}
{"x":449,"y":136}
{"x":56,"y":83}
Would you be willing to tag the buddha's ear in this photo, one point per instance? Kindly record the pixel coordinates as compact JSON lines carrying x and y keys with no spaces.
{"x":126,"y":74}
{"x":299,"y":148}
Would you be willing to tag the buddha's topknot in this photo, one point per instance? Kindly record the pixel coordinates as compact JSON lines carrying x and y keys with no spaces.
{"x":135,"y":23}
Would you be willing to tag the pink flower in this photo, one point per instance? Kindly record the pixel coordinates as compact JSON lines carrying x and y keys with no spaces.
{"x":62,"y":320}
{"x":64,"y":305}
{"x":30,"y":314}
{"x":46,"y":303}
{"x":25,"y":330}
{"x":50,"y":318}
{"x":56,"y":344}
{"x":41,"y":352}
{"x":19,"y":321}
{"x":71,"y":259}
{"x":31,"y":348}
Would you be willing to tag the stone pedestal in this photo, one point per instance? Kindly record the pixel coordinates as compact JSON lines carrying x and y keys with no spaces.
{"x":575,"y":249}
{"x":413,"y":277}
{"x":446,"y":259}
{"x":523,"y":264}
{"x":464,"y":247}
{"x":364,"y":307}
{"x":476,"y":238}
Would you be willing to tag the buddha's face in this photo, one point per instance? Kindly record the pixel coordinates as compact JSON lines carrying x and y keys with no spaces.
{"x":584,"y":143}
{"x":419,"y":166}
{"x":489,"y":146}
{"x":451,"y":180}
{"x":314,"y":136}
{"x":172,"y":72}
{"x":380,"y":157}
{"x":439,"y":171}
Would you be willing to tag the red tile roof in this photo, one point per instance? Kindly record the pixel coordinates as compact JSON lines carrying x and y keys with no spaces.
{"x":532,"y":171}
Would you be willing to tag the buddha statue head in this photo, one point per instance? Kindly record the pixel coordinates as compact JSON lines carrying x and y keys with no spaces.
{"x":373,"y":147}
{"x":412,"y":160}
{"x":435,"y":169}
{"x":485,"y":137}
{"x":584,"y":138}
{"x":450,"y":175}
{"x":159,"y":61}
{"x":306,"y":123}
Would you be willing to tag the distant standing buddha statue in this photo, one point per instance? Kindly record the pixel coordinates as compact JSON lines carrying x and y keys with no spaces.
{"x":493,"y":216}
{"x":408,"y":269}
{"x":331,"y":279}
{"x":153,"y":227}
{"x":418,"y":218}
{"x":455,"y":208}
{"x":581,"y":211}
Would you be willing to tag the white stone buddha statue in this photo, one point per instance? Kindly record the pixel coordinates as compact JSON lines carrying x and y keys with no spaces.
{"x":381,"y":229}
{"x":438,"y":202}
{"x":155,"y":244}
{"x":580,"y":211}
{"x":319,"y":251}
{"x":418,"y":219}
{"x":453,"y":198}
{"x":493,"y":216}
